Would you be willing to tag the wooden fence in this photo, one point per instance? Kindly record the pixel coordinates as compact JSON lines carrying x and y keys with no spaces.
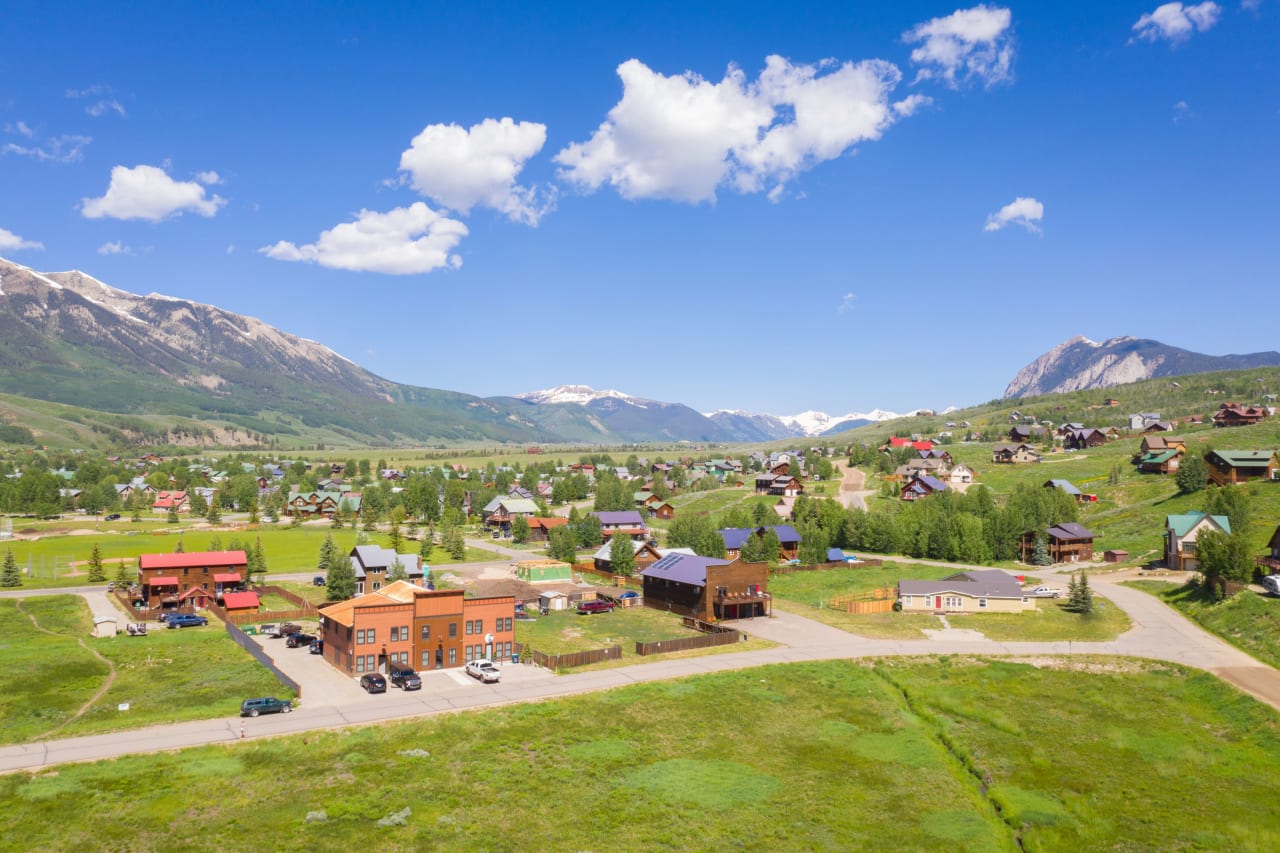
{"x":880,"y":600}
{"x":632,"y":582}
{"x":712,"y":635}
{"x":568,"y":659}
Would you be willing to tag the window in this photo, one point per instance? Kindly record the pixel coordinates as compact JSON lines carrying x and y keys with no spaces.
{"x":453,"y":630}
{"x":359,"y":587}
{"x":470,"y":652}
{"x":370,"y":663}
{"x":359,"y":663}
{"x":453,"y":657}
{"x":982,"y":602}
{"x":360,"y":637}
{"x":426,"y":632}
{"x":469,"y":631}
{"x":906,"y":601}
{"x":370,"y":634}
{"x":479,"y":626}
{"x":377,"y":585}
{"x":507,"y":624}
{"x":953,"y":601}
{"x":426,"y":660}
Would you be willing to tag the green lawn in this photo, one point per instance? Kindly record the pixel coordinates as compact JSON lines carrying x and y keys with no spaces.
{"x":807,"y":593}
{"x":565,"y":631}
{"x":905,"y":755}
{"x":288,"y":549}
{"x":167,"y":676}
{"x":1246,"y":620}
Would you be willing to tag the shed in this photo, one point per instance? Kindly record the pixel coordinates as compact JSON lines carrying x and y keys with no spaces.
{"x":1115,"y":555}
{"x":553,"y":601}
{"x":105,"y":626}
{"x":544,"y":571}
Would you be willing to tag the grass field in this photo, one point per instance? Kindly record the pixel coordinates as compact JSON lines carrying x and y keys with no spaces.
{"x":565,"y":631}
{"x":1246,"y":620}
{"x":907,"y":755}
{"x":167,"y":676}
{"x":288,"y":549}
{"x":806,"y":593}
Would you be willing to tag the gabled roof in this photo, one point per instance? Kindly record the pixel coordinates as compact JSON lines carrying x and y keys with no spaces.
{"x":193,"y":560}
{"x":834,"y":555}
{"x":1064,"y":485}
{"x":1158,"y":458}
{"x":1244,"y":458}
{"x":683,"y":568}
{"x":990,"y":583}
{"x":1069,"y":530}
{"x":606,"y":550}
{"x":627,"y":517}
{"x":519,"y":505}
{"x":547,"y":523}
{"x":236,"y":600}
{"x":1182,"y":523}
{"x":343,"y":612}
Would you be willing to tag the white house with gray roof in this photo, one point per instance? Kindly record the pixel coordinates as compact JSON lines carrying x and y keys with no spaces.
{"x":983,"y":591}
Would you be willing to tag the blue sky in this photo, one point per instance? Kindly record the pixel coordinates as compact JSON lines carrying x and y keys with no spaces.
{"x":849,"y":206}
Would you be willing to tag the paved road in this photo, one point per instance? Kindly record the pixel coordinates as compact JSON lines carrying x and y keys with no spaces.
{"x":1158,"y":632}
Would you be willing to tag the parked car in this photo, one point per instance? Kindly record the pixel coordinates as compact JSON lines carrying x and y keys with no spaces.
{"x":598,"y":606}
{"x":485,"y":670}
{"x":631,"y":593}
{"x":373,"y":683}
{"x":1271,"y":583}
{"x":265,"y":705}
{"x":317,"y":646}
{"x":269,"y":629}
{"x":297,"y":640}
{"x":284,"y":630}
{"x":1046,"y":592}
{"x":115,"y":516}
{"x":318,"y":580}
{"x":186,"y":620}
{"x":405,"y":678}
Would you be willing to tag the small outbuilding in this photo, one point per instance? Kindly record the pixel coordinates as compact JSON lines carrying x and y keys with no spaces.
{"x":1115,"y":555}
{"x":105,"y":626}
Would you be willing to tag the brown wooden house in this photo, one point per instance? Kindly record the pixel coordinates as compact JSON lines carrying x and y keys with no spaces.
{"x":707,"y":588}
{"x":1013,"y":454}
{"x":1067,"y":543}
{"x":165,"y":578}
{"x":540,"y":528}
{"x":1239,"y":466}
{"x":1235,"y":414}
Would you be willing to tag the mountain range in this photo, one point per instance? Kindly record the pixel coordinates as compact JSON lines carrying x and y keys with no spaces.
{"x":1079,"y":364}
{"x":67,"y":337}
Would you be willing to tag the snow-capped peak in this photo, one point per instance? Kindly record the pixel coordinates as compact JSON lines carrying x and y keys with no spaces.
{"x":572,"y":394}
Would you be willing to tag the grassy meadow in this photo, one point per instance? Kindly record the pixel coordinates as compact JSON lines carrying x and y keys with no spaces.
{"x":50,"y":682}
{"x":287,"y":548}
{"x":807,"y":593}
{"x":904,"y":755}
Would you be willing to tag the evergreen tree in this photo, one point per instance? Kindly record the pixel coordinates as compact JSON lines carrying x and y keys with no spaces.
{"x":257,"y":561}
{"x":198,"y":505}
{"x":455,"y":543}
{"x":214,"y":516}
{"x":753,"y":550}
{"x":179,"y":548}
{"x":122,"y":574}
{"x":424,"y":549}
{"x":11,"y":577}
{"x":397,"y":539}
{"x":172,"y":516}
{"x":397,"y":572}
{"x":1080,"y":597}
{"x":1040,"y":556}
{"x":340,"y":576}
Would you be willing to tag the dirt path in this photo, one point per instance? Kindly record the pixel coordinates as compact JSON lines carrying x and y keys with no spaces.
{"x":111,"y":673}
{"x":853,"y":488}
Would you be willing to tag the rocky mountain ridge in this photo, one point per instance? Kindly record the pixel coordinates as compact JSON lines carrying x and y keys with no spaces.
{"x":1079,"y":363}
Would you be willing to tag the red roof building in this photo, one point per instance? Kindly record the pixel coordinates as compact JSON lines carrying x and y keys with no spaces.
{"x":241,"y":602}
{"x":164,"y":578}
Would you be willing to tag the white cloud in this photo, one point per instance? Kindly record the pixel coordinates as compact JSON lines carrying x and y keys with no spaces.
{"x":1180,"y":111}
{"x":20,"y":128}
{"x":67,"y":148}
{"x":967,"y":44}
{"x":11,"y":242}
{"x":909,"y":105}
{"x":463,"y":168}
{"x":846,"y":303}
{"x":146,"y":192}
{"x":209,"y":178}
{"x":1026,"y":212}
{"x":115,"y":247}
{"x":231,"y":248}
{"x":107,"y":105}
{"x":402,"y":241}
{"x":1175,"y":22}
{"x":681,"y":137}
{"x":1251,"y":5}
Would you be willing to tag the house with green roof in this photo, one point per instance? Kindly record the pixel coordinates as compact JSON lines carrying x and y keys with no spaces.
{"x":1239,"y":466}
{"x":1160,"y":462}
{"x":1181,"y":531}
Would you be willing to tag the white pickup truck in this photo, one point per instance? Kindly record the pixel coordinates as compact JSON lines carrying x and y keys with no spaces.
{"x":1044,"y":592}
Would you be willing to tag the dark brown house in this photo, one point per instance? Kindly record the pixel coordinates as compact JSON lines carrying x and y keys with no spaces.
{"x":1067,"y":542}
{"x":1238,"y":466}
{"x":165,"y":578}
{"x":1234,"y":414}
{"x":706,"y":588}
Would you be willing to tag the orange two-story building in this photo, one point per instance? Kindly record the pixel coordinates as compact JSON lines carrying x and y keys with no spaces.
{"x":426,"y":629}
{"x":166,"y":577}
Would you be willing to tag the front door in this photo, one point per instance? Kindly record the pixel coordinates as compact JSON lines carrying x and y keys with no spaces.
{"x":439,"y":657}
{"x":937,"y":602}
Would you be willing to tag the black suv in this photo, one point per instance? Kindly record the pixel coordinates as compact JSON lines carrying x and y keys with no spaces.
{"x":295,"y":640}
{"x":373,"y":683}
{"x":406,"y":679}
{"x":266,"y":705}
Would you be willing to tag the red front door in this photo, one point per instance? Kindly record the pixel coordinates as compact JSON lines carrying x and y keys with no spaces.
{"x":937,"y":602}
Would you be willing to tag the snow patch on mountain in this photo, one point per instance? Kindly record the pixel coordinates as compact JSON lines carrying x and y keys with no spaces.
{"x":581,"y":394}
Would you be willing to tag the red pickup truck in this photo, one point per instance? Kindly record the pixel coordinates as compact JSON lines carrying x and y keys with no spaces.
{"x":597,"y":606}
